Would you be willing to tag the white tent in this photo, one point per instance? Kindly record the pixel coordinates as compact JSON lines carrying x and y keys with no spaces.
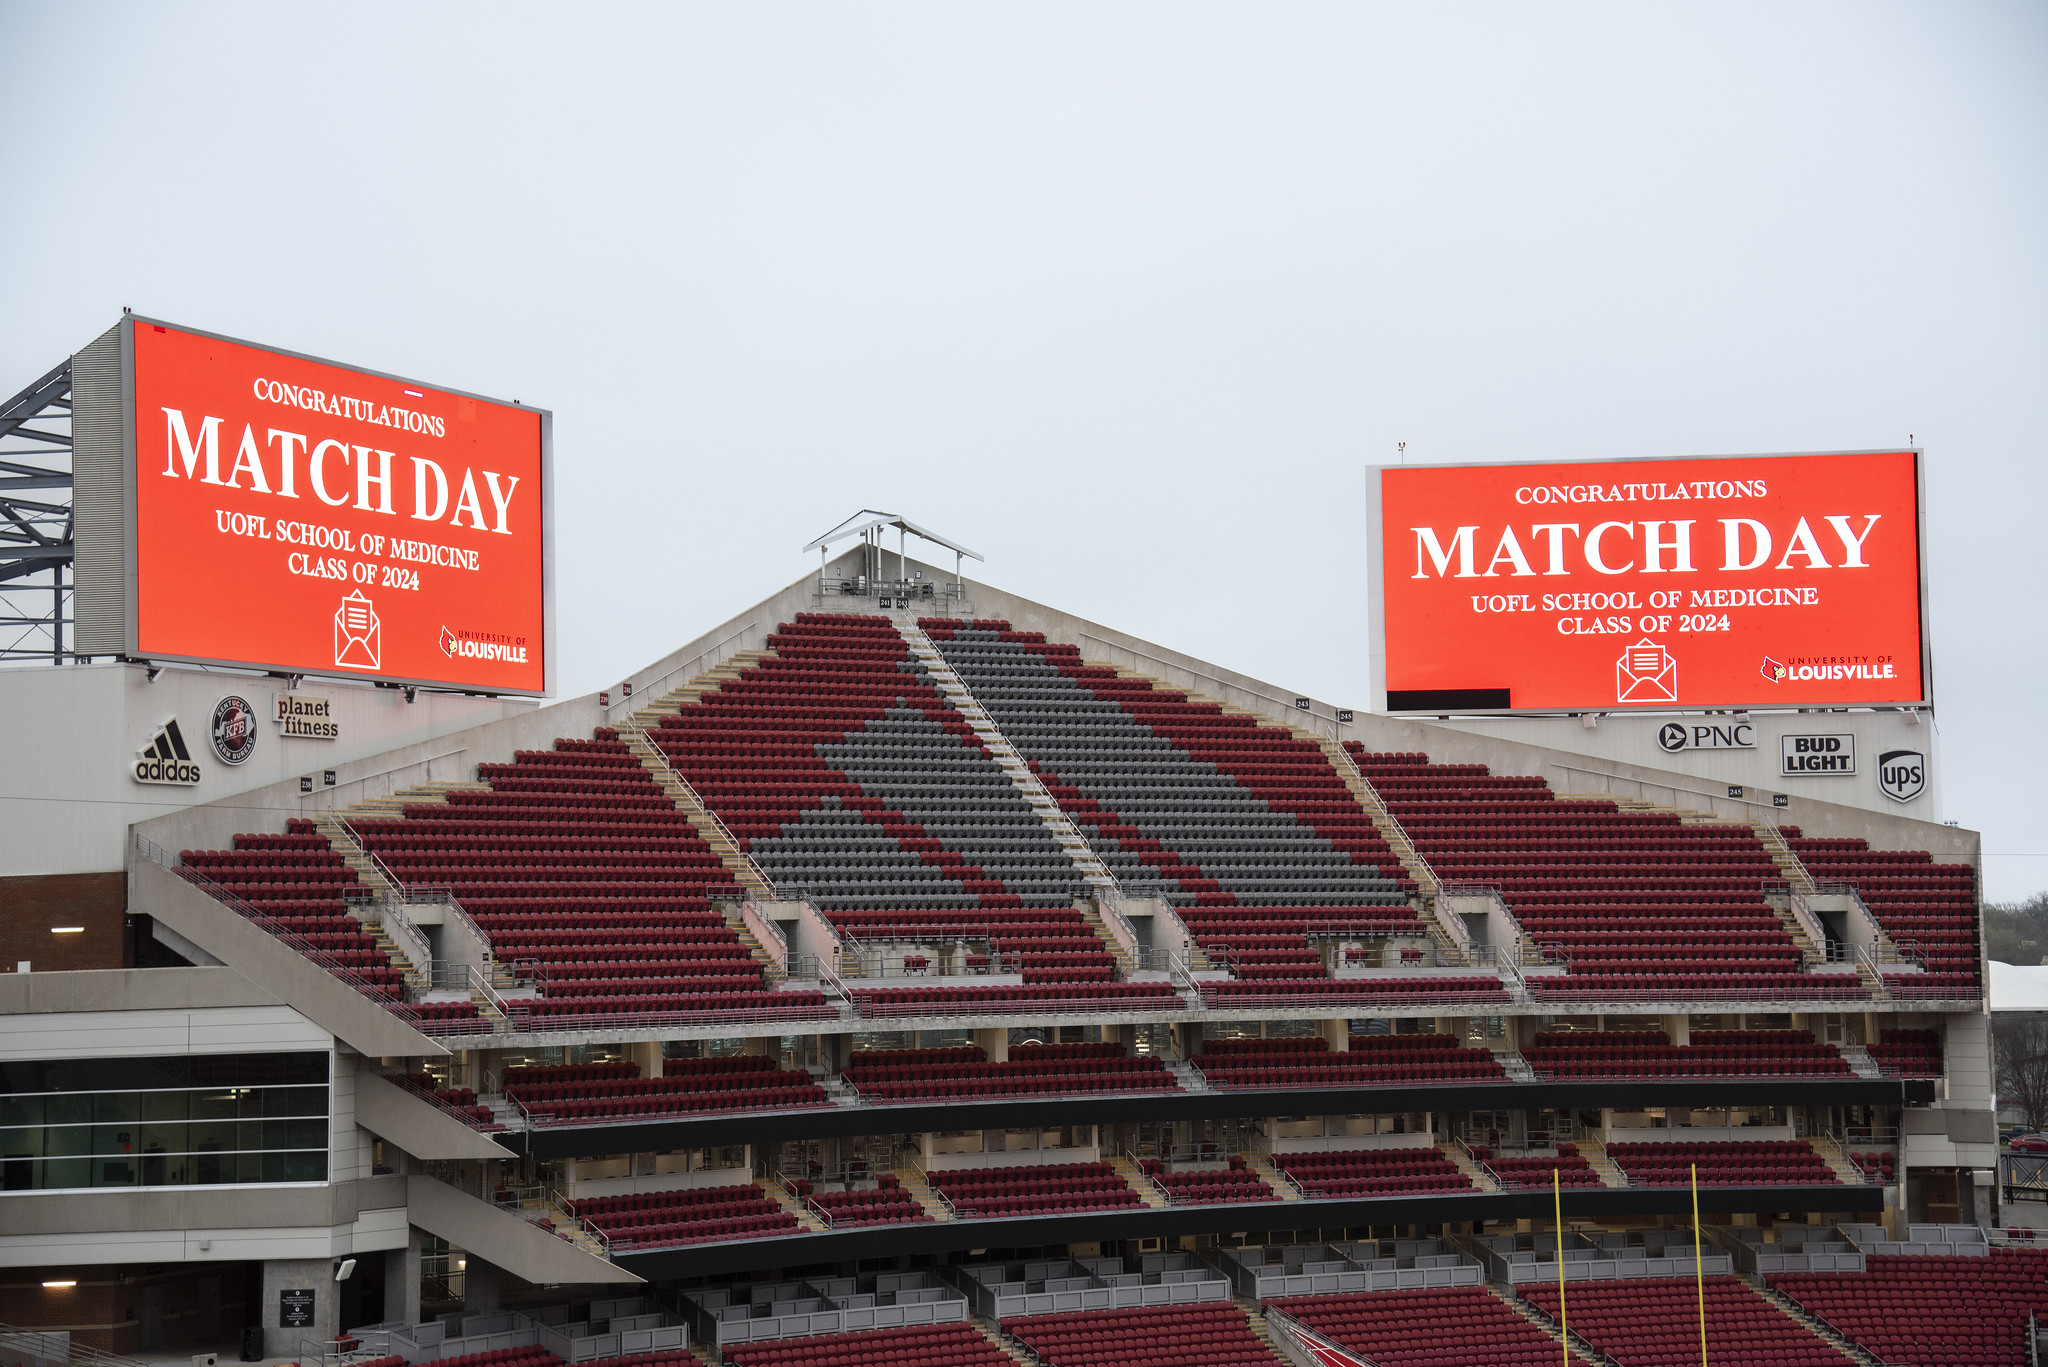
{"x":2015,"y":987}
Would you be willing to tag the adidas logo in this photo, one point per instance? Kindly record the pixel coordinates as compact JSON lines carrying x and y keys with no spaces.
{"x":166,"y":760}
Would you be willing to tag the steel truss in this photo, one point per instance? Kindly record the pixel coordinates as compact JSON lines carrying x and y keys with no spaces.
{"x":36,"y":548}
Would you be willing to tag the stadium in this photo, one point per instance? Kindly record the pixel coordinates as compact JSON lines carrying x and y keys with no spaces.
{"x":906,"y":971}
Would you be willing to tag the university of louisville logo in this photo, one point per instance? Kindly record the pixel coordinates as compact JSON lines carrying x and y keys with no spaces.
{"x":447,"y":642}
{"x":1772,"y":670}
{"x":166,"y":760}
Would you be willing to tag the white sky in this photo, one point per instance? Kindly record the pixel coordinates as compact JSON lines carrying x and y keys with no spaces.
{"x":1126,"y":296}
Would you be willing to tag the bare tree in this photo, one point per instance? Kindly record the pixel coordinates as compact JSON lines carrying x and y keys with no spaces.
{"x":2020,"y":1047}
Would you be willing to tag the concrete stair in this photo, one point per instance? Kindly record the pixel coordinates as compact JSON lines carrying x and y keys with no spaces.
{"x":1548,"y":1326}
{"x":1815,"y":1327}
{"x":1593,"y":1149}
{"x":1464,"y":1162}
{"x":1516,"y":1066}
{"x":1125,"y":967}
{"x":1783,"y":855}
{"x":1859,"y":1059}
{"x":701,"y":818}
{"x":710,"y":681}
{"x":1837,"y":1158}
{"x":1282,"y":1185}
{"x":1057,"y":823}
{"x":1148,"y":1190}
{"x":912,"y":1181}
{"x":1368,"y":797}
{"x":790,"y":1202}
{"x":1009,"y":1347}
{"x":1261,"y":1330}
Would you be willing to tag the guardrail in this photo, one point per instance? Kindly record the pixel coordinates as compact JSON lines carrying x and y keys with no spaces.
{"x":156,"y":854}
{"x":685,"y":669}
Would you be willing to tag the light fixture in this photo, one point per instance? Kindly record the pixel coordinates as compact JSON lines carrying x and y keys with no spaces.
{"x":67,"y":930}
{"x":59,"y":1286}
{"x":155,"y":670}
{"x":412,"y":695}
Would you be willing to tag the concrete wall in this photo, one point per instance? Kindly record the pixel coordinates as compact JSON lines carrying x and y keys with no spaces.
{"x":67,"y":784}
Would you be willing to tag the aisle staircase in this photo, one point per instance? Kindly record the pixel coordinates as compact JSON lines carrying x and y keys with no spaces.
{"x":1837,"y":1158}
{"x":701,"y":818}
{"x":1577,"y":1350}
{"x":1008,"y":1346}
{"x":1057,"y":823}
{"x":1261,"y":1330}
{"x":1092,"y":914}
{"x":912,"y":1181}
{"x":1783,"y":855}
{"x":1390,"y":829}
{"x":1282,"y":1185}
{"x":794,"y":1204}
{"x":1820,"y":1329}
{"x":1593,"y":1149}
{"x":1135,"y":1178}
{"x":1464,"y":1162}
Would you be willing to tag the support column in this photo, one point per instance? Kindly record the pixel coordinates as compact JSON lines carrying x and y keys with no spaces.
{"x":299,"y":1276}
{"x":995,"y":1043}
{"x":1187,"y":1038}
{"x":483,"y":1285}
{"x":402,"y":1280}
{"x":766,"y":1045}
{"x":647,"y":1054}
{"x":835,"y":1051}
{"x":1336,"y":1034}
{"x":1679,"y":1028}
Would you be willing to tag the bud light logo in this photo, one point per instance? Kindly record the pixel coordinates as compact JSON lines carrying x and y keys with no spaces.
{"x":1902,"y":774}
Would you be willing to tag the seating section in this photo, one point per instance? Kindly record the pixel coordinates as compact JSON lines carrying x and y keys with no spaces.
{"x":1259,"y":841}
{"x":885,"y":1203}
{"x":591,"y":885}
{"x":1214,"y":1334}
{"x":938,"y":1345}
{"x":1235,"y":1181}
{"x":1879,"y":1166}
{"x":591,"y":1093}
{"x":1737,"y":1163}
{"x":297,"y":887}
{"x":1032,"y":1070}
{"x":1371,"y":1061}
{"x":541,"y":1357}
{"x":1928,"y":909}
{"x":1712,"y":1053}
{"x":1635,"y":904}
{"x":1907,"y":1053}
{"x":1034,"y":1189}
{"x":838,"y":765}
{"x":700,"y":1215}
{"x":1566,"y":1167}
{"x":1930,"y":1311}
{"x":1464,"y":1326}
{"x":459,"y":1102}
{"x":1372,"y":1172}
{"x":1655,"y":1322}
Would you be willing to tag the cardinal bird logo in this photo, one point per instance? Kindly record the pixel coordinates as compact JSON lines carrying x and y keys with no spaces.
{"x":447,"y":642}
{"x":1773,"y":671}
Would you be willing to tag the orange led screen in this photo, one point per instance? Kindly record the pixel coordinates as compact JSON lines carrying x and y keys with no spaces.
{"x":1689,"y":583}
{"x":296,"y":515}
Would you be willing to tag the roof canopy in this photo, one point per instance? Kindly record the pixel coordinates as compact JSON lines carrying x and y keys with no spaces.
{"x":867,"y":521}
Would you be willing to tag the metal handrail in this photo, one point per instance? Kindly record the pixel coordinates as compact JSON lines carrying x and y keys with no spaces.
{"x":717,"y":822}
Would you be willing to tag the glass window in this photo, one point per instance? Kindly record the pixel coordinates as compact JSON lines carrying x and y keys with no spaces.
{"x":67,"y":1123}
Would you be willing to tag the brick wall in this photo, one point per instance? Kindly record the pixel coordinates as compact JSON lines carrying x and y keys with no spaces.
{"x":115,"y":1308}
{"x":29,"y":907}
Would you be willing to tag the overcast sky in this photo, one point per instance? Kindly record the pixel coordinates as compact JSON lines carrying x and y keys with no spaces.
{"x":1126,"y":296}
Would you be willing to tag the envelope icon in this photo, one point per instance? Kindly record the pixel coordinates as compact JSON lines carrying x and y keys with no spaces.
{"x":358,"y":635}
{"x":1646,"y":672}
